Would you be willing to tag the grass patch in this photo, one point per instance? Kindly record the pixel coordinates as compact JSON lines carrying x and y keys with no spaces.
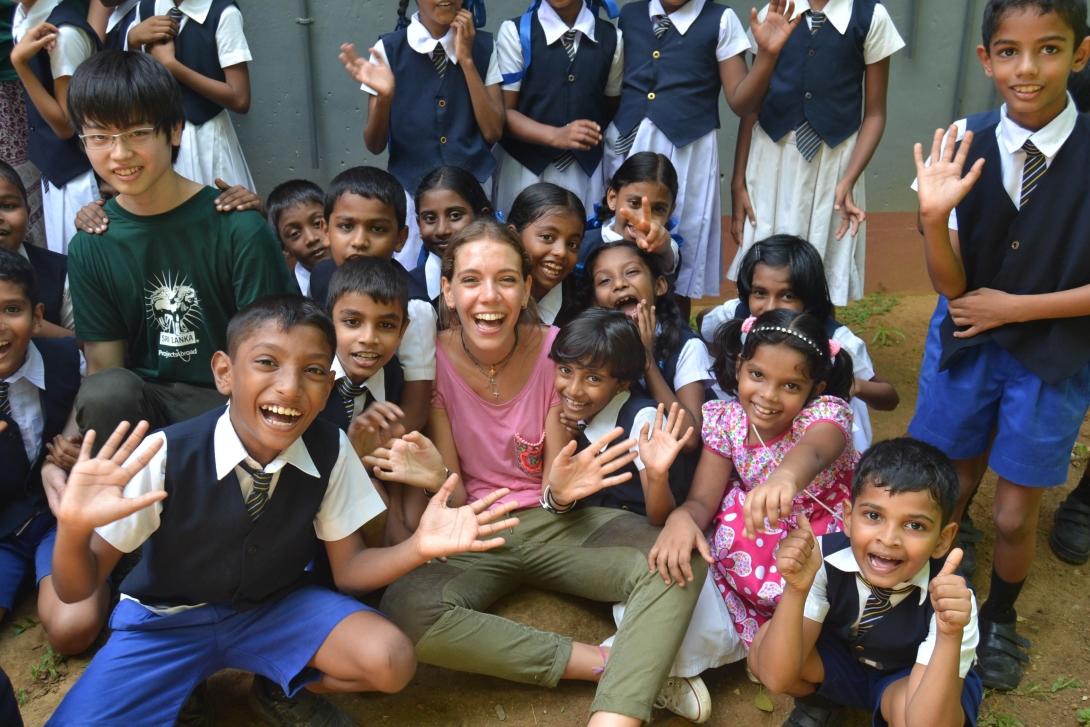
{"x":50,"y":668}
{"x":1000,"y":719}
{"x":1083,"y":716}
{"x":864,"y":315}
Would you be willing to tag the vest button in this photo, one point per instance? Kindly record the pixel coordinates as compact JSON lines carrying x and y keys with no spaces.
{"x":656,"y":55}
{"x":807,"y":95}
{"x":651,"y":96}
{"x":442,"y":140}
{"x":442,"y":103}
{"x":251,"y":549}
{"x":1015,"y":245}
{"x":571,"y":79}
{"x":812,"y":52}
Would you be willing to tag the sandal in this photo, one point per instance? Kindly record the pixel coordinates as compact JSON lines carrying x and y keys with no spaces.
{"x":1001,"y":656}
{"x":1070,"y":536}
{"x":811,"y":711}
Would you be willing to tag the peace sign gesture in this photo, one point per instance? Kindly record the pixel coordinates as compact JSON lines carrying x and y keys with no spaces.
{"x":649,"y":234}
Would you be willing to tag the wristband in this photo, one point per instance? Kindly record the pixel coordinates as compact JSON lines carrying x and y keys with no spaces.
{"x":446,"y":476}
{"x":549,"y":504}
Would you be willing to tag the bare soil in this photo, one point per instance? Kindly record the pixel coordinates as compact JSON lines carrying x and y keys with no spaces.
{"x":1054,"y":606}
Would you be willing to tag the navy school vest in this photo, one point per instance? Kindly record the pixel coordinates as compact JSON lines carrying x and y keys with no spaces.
{"x":195,"y":46}
{"x":21,"y":493}
{"x":394,"y":381}
{"x":556,"y":91}
{"x":207,"y":549}
{"x":50,"y":271}
{"x":674,"y":81}
{"x":1043,"y":248}
{"x":819,"y":77}
{"x":432,"y":121}
{"x":60,"y":160}
{"x":891,"y":644}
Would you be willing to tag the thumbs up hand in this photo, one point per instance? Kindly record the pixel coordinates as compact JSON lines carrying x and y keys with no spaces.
{"x":799,"y":558}
{"x":950,"y":596}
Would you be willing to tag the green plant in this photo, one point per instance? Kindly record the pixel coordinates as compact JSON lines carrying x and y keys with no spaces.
{"x":857,"y":313}
{"x":50,"y":667}
{"x":887,"y":336}
{"x":1000,"y":719}
{"x":21,"y":626}
{"x":1083,"y":716}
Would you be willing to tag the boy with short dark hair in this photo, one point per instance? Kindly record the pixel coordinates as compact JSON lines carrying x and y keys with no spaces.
{"x":39,"y":378}
{"x":229,"y":508}
{"x":365,"y":217}
{"x":297,"y":215}
{"x":873,"y":618}
{"x":1006,"y":221}
{"x":153,"y":294}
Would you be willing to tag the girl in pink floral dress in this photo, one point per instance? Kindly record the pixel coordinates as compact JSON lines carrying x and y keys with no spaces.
{"x":782,"y":449}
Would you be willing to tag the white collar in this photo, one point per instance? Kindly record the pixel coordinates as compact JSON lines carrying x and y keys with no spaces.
{"x":1048,"y":139}
{"x":682,"y":18}
{"x":302,"y":276}
{"x":551,"y":303}
{"x":119,"y":13}
{"x":230,"y":453}
{"x":22,"y":251}
{"x":608,"y":233}
{"x":433,"y":271}
{"x":605,"y":420}
{"x":194,"y":9}
{"x":837,"y":12}
{"x":33,"y":368}
{"x":555,"y":27}
{"x":844,"y":561}
{"x":25,"y":19}
{"x":376,"y":384}
{"x":420,"y":39}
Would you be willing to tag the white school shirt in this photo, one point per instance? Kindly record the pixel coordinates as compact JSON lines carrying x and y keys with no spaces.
{"x":417,"y":349}
{"x":231,"y":45}
{"x":376,"y":384}
{"x":73,"y":46}
{"x":605,"y":421}
{"x":302,"y":277}
{"x":433,"y":273}
{"x":420,"y":40}
{"x":24,"y":396}
{"x":817,"y":606}
{"x":349,"y":502}
{"x":550,"y":304}
{"x":1012,"y":158}
{"x":68,"y":319}
{"x":118,"y":15}
{"x":882,"y":39}
{"x":509,"y":45}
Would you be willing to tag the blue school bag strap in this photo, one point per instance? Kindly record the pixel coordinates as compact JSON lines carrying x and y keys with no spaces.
{"x":527,"y":19}
{"x":480,"y":15}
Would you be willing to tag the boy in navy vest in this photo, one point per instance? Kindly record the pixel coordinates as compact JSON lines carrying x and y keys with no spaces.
{"x":39,"y":378}
{"x":230,"y":507}
{"x":1006,"y":221}
{"x":872,"y":618}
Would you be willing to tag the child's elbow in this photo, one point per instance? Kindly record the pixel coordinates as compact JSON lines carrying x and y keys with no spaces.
{"x":240,"y":104}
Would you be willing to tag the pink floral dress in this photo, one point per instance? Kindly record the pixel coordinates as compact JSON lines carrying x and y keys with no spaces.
{"x":745,"y":569}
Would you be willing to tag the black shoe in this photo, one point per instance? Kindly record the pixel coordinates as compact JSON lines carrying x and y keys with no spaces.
{"x":811,"y":711}
{"x":1001,"y":656}
{"x":197,"y":710}
{"x":305,"y":709}
{"x":1070,"y":537}
{"x":968,"y":536}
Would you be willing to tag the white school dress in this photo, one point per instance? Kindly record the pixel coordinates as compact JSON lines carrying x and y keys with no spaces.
{"x":795,"y":197}
{"x":698,"y":208}
{"x":510,"y":176}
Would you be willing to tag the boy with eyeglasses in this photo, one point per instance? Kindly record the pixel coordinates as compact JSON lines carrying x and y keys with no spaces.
{"x":153,"y":294}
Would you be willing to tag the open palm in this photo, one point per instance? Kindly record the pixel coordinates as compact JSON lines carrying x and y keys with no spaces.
{"x":943,"y":183}
{"x":660,"y":444}
{"x":447,"y":530}
{"x":772,"y":33}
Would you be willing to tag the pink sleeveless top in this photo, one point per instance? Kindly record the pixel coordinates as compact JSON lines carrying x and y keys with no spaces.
{"x":499,"y":445}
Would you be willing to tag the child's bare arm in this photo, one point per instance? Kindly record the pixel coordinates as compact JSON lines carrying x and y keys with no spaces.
{"x":416,"y":404}
{"x":877,"y":393}
{"x":52,"y":107}
{"x":232,"y":93}
{"x":984,"y":308}
{"x":486,"y":100}
{"x":745,"y":91}
{"x":741,"y":205}
{"x":580,"y":134}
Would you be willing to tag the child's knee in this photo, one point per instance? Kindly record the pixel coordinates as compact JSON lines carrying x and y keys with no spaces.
{"x":387,"y":662}
{"x":1014,"y":522}
{"x":71,"y":630}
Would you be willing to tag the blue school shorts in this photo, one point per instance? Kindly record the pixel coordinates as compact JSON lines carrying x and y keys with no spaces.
{"x":987,"y":391}
{"x":853,"y":684}
{"x":34,"y":544}
{"x":151,"y":663}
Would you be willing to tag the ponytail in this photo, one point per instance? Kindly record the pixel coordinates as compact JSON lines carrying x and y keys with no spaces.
{"x":402,"y":15}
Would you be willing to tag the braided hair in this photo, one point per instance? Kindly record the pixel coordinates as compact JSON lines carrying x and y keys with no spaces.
{"x":402,"y":15}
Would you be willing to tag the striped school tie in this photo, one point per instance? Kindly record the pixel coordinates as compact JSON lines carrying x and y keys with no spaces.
{"x":5,"y":402}
{"x":877,"y":605}
{"x":1032,"y":172}
{"x":661,"y":23}
{"x":807,"y":140}
{"x":439,"y":59}
{"x":259,"y":494}
{"x":350,"y":392}
{"x":566,"y":159}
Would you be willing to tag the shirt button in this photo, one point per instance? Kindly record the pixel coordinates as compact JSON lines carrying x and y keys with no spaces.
{"x":656,"y":55}
{"x":442,"y":103}
{"x":807,"y":95}
{"x":571,"y":79}
{"x":442,"y":140}
{"x":1015,"y":245}
{"x":651,"y":96}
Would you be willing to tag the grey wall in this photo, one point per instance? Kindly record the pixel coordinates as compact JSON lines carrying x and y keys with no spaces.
{"x":277,"y":133}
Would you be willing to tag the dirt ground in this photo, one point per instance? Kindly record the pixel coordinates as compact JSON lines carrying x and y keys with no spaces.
{"x":1054,"y":609}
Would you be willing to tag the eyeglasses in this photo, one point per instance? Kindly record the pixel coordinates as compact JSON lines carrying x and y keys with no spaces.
{"x":132,"y":138}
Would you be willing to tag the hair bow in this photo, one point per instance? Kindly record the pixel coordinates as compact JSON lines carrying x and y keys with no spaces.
{"x":834,"y":348}
{"x":747,"y":324}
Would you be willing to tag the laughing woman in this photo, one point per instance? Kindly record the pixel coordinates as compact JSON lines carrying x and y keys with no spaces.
{"x":496,"y":422}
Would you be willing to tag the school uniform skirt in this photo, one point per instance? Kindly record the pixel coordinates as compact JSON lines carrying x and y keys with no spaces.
{"x":795,"y":197}
{"x":212,"y":150}
{"x":511,"y":178}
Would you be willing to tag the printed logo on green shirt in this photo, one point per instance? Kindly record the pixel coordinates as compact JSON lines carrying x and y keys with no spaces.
{"x":173,"y":305}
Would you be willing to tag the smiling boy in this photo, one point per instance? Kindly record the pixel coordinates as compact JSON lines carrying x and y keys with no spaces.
{"x":872,"y":618}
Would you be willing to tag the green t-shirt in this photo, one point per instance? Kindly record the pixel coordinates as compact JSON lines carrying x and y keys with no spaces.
{"x":168,"y":284}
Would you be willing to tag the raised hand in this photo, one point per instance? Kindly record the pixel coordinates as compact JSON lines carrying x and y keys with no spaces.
{"x":851,"y":215}
{"x":448,"y":531}
{"x":982,"y":310}
{"x":950,"y":597}
{"x":941,"y":185}
{"x":672,"y":552}
{"x":236,"y":198}
{"x":375,"y":74}
{"x":660,"y":446}
{"x":91,"y":218}
{"x":575,"y":476}
{"x":156,"y":29}
{"x":770,"y":500}
{"x":580,"y":134}
{"x":375,"y":426}
{"x":93,"y":496}
{"x":772,"y":33}
{"x":798,"y":557}
{"x":645,"y":324}
{"x":650,"y":235}
{"x":411,"y":460}
{"x":42,"y":35}
{"x":465,"y":30}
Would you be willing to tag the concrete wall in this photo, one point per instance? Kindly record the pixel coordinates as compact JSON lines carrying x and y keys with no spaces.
{"x":277,"y":133}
